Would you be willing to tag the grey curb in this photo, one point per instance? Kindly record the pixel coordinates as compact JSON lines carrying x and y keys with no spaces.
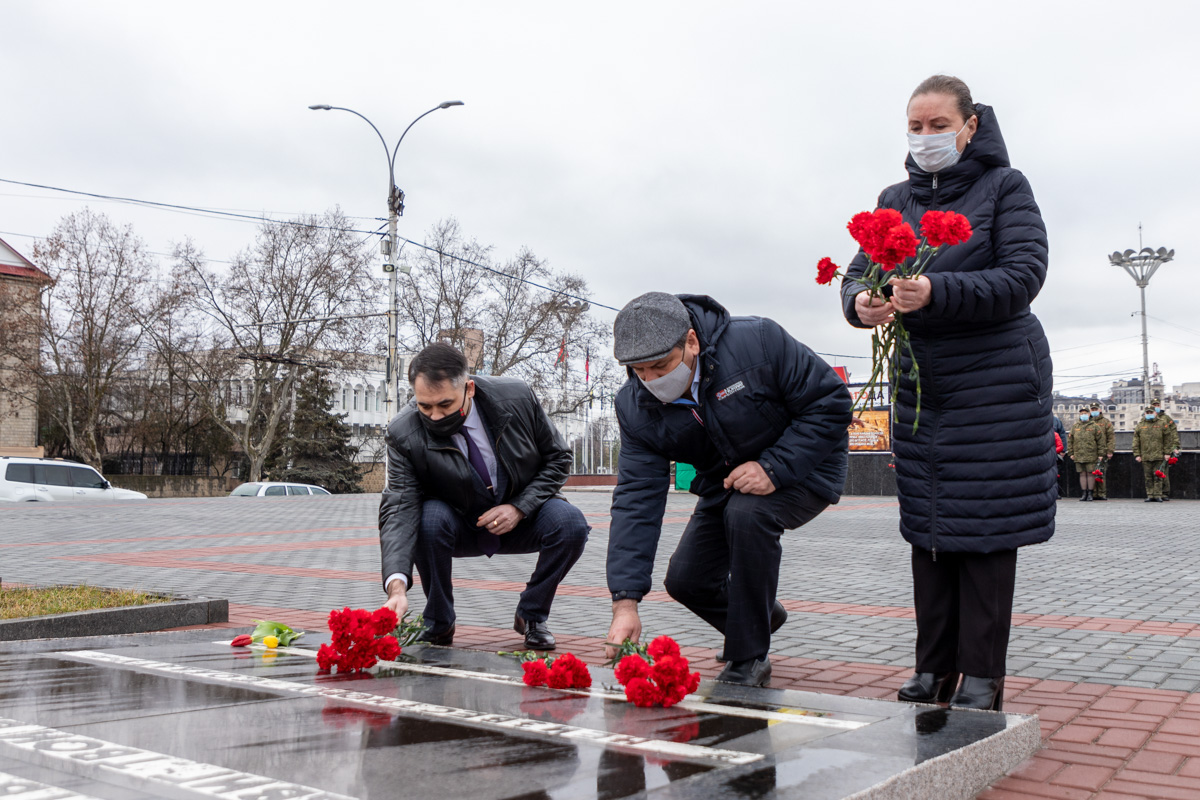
{"x":112,"y":621}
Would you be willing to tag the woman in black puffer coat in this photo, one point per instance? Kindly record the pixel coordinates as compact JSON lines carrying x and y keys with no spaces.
{"x":977,"y":479}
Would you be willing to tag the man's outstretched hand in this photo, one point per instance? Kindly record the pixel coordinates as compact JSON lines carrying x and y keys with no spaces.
{"x":397,"y":598}
{"x":626,"y":624}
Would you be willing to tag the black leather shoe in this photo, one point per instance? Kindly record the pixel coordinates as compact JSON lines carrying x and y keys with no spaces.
{"x":778,"y":617}
{"x":537,"y":635}
{"x":984,"y":693}
{"x":1149,"y":499}
{"x":443,"y":639}
{"x":1101,"y":499}
{"x":928,"y":687}
{"x":1165,"y":499}
{"x":754,"y":672}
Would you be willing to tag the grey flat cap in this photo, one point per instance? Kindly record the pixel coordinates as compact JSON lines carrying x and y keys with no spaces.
{"x":649,"y":327}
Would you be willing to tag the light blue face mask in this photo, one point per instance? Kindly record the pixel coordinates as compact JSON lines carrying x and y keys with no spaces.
{"x":1150,"y":417}
{"x":1095,"y":413}
{"x":935,"y":152}
{"x":1083,"y":417}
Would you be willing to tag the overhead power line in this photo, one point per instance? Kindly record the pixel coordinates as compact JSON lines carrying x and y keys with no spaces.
{"x":259,"y":219}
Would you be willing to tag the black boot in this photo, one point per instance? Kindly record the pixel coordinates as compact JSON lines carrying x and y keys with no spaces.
{"x":984,"y":693}
{"x":1083,"y":498}
{"x":928,"y":687}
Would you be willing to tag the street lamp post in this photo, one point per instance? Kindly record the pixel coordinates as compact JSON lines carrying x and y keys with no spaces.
{"x":1141,"y":266}
{"x":395,"y":210}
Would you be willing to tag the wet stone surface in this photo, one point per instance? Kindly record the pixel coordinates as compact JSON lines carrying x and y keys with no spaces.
{"x":181,"y":715}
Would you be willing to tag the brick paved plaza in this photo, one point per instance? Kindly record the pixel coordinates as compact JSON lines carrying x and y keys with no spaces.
{"x":1105,"y":647}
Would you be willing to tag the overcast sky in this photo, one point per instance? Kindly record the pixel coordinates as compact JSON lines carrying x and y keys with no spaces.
{"x":715,"y":148}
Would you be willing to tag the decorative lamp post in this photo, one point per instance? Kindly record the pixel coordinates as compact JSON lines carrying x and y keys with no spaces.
{"x":1141,"y":266}
{"x":391,"y":249}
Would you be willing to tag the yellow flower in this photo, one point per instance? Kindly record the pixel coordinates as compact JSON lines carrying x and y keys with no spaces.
{"x":271,"y":642}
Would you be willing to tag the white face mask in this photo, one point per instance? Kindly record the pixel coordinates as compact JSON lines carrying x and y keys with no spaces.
{"x":670,"y":387}
{"x":936,"y":151}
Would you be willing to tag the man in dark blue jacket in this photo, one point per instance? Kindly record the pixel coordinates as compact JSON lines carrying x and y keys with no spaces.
{"x":764,"y":422}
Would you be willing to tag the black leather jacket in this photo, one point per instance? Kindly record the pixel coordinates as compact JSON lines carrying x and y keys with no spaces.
{"x":529,"y":449}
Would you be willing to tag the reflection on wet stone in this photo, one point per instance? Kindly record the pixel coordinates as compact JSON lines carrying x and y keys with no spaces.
{"x":470,"y":731}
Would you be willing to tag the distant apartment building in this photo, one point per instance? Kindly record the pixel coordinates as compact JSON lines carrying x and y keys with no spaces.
{"x":1126,"y":403}
{"x":20,"y":283}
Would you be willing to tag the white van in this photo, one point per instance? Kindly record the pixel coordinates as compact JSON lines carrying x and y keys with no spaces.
{"x":28,"y":480}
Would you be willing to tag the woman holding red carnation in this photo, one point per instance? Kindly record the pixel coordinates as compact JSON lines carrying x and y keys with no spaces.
{"x":976,"y":479}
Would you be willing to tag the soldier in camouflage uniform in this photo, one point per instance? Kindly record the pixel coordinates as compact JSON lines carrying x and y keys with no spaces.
{"x":1110,"y":445}
{"x":1150,"y":441}
{"x":1085,"y":445}
{"x":1173,"y":450}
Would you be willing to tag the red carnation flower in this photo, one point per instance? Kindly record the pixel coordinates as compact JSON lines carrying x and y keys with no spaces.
{"x":631,"y":667}
{"x":384,"y":621}
{"x":945,"y":227}
{"x":1173,"y":460}
{"x":580,"y":677}
{"x":326,"y":658}
{"x":663,"y":646}
{"x":642,"y":693}
{"x":826,"y":271}
{"x":899,"y":244}
{"x":241,"y":641}
{"x":536,"y":673}
{"x":1158,"y":473}
{"x":862,"y":228}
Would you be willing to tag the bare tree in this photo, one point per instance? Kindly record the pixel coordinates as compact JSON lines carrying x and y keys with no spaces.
{"x":87,"y":329}
{"x":287,"y":302}
{"x":521,"y":317}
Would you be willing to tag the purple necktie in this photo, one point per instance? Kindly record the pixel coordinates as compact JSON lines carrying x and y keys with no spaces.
{"x":489,"y":543}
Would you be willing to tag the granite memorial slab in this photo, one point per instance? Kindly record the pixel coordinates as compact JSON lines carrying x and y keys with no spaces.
{"x":184,"y":715}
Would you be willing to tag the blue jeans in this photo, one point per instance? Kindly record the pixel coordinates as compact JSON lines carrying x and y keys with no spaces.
{"x":557,"y":532}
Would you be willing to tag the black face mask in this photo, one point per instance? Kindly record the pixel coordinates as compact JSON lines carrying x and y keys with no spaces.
{"x":450,"y":424}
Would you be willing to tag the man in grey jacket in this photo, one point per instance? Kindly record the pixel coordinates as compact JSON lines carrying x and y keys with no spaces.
{"x":474,"y":469}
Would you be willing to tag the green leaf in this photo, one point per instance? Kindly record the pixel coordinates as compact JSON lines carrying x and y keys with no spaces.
{"x":407,"y":630}
{"x":628,"y":648}
{"x":283,"y":633}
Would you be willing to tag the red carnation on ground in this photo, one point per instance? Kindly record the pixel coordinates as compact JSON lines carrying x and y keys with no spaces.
{"x":564,"y":672}
{"x":827,"y":271}
{"x":663,"y":681}
{"x":664,"y":646}
{"x":360,"y":640}
{"x":945,"y":227}
{"x":642,"y":693}
{"x":631,"y":667}
{"x":536,"y":673}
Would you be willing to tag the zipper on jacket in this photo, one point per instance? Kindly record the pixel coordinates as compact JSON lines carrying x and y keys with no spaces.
{"x":934,"y":201}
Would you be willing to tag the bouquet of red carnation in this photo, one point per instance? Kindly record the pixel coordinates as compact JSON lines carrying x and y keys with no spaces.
{"x":1099,"y":475}
{"x":564,"y":672}
{"x":1158,"y":473}
{"x":1173,"y":460}
{"x":360,"y":640}
{"x":889,"y":242}
{"x":664,"y":680}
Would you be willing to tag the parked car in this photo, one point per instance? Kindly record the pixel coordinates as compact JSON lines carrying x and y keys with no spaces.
{"x":276,"y":489}
{"x":28,"y":480}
